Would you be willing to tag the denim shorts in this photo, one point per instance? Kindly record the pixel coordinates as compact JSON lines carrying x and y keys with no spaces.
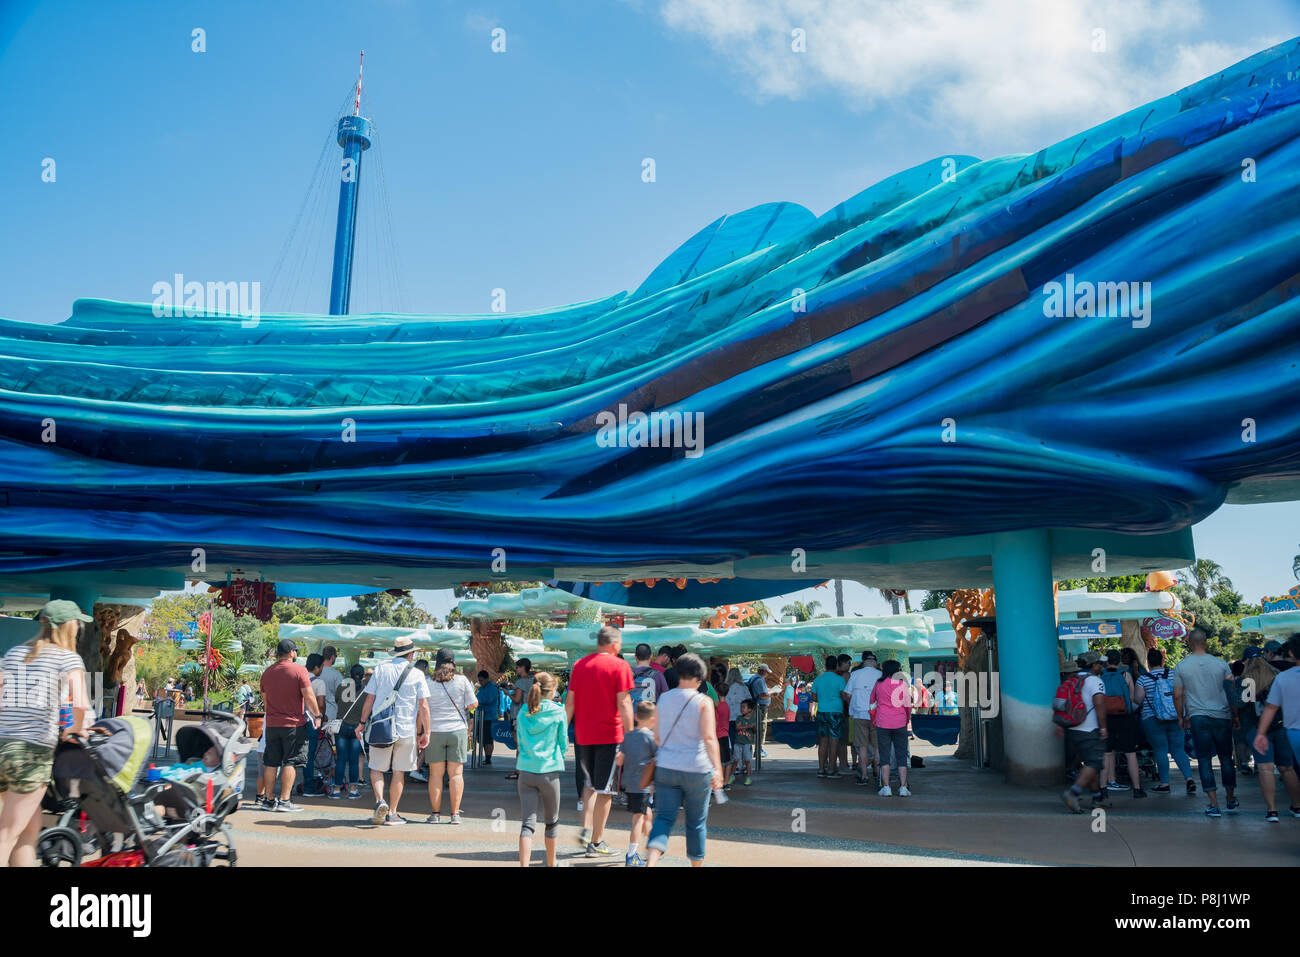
{"x":1279,"y":750}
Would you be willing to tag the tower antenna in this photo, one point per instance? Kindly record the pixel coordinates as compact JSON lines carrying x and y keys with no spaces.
{"x":354,"y":136}
{"x":356,"y":110}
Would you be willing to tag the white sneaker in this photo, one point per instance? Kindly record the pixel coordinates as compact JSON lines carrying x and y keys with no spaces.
{"x":885,"y":792}
{"x":904,"y":792}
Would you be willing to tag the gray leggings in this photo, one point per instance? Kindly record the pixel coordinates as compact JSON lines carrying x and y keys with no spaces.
{"x":535,"y":788}
{"x":892,"y":740}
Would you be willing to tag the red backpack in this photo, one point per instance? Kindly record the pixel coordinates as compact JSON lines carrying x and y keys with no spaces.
{"x":1069,"y":709}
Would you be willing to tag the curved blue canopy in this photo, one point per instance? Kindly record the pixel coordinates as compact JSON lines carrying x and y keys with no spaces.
{"x":910,"y":365}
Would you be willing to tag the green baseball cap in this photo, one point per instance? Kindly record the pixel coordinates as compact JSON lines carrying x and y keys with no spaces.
{"x":61,"y":611}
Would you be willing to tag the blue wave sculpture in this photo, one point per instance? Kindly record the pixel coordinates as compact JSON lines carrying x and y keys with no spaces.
{"x":912,"y":364}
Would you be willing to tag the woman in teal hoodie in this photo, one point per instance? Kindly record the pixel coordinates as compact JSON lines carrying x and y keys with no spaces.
{"x":542,"y":734}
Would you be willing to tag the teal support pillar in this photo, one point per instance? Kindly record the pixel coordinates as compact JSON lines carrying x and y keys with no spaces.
{"x":1027,"y":660}
{"x":88,"y":641}
{"x":85,"y":597}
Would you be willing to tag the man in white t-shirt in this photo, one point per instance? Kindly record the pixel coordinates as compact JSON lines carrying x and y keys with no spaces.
{"x":327,"y":684}
{"x":333,"y":678}
{"x":857,"y":697}
{"x":410,"y":726}
{"x":1086,"y":741}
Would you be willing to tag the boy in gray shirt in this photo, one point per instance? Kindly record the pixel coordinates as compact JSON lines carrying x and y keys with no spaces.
{"x":634,"y":756}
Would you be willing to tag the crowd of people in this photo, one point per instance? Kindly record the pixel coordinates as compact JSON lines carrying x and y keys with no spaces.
{"x":664,"y":738}
{"x":1241,"y":713}
{"x":667,"y":736}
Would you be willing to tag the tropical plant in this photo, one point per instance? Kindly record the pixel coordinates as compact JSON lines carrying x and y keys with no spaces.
{"x":1117,"y":583}
{"x":300,"y":611}
{"x":802,"y":610}
{"x":173,"y":612}
{"x":1204,"y":577}
{"x":384,"y":608}
{"x":893,"y":600}
{"x":936,"y":599}
{"x":156,"y":661}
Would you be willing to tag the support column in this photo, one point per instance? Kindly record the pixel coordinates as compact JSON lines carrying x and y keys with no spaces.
{"x":1027,"y":659}
{"x":89,"y":642}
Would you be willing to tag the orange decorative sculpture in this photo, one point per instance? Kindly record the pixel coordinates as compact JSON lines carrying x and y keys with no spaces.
{"x":1159,"y":581}
{"x":963,"y":605}
{"x":730,"y":616}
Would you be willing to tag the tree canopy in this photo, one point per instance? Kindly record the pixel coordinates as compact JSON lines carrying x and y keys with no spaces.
{"x":384,"y":608}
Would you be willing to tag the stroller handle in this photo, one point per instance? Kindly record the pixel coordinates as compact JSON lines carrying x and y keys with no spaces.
{"x":239,"y":723}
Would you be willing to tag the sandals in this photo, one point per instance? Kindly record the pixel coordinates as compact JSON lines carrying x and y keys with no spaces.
{"x":512,"y":776}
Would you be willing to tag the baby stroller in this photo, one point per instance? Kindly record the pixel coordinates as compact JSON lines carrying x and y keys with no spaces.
{"x":101,"y":807}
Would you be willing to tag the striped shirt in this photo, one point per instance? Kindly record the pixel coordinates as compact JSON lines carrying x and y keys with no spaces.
{"x":1148,"y":686}
{"x":33,"y":692}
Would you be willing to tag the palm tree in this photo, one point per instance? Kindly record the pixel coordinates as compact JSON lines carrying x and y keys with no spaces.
{"x":801,"y":610}
{"x":839,"y":598}
{"x":1204,"y":577}
{"x":888,"y":595}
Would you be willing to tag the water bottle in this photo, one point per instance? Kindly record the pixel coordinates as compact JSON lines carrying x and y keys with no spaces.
{"x":720,"y":796}
{"x":154,"y":773}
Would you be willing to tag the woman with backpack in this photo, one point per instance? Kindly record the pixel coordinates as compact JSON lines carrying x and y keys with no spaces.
{"x":1123,"y":700}
{"x":1258,"y":675}
{"x":1160,"y":721}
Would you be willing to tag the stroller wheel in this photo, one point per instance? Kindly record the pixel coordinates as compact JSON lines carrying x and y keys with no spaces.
{"x":59,"y":847}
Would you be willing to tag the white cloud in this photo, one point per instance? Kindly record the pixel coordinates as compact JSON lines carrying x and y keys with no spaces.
{"x":996,"y":70}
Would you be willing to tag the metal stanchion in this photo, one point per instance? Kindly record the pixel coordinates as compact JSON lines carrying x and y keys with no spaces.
{"x":164,"y":720}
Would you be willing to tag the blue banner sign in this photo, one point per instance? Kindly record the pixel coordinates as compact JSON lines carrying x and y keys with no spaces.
{"x":1088,"y":629}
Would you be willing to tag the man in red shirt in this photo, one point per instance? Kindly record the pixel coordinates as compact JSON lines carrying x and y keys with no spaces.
{"x":600,"y":709}
{"x":286,"y":690}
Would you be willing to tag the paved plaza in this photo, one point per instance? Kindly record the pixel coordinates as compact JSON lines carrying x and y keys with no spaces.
{"x":957,"y":815}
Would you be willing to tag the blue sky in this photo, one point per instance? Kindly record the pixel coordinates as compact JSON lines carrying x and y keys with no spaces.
{"x":522,"y":170}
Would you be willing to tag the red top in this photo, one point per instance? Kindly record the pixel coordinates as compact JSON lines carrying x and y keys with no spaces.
{"x":282,"y":686}
{"x":594,"y":686}
{"x":722,"y":711}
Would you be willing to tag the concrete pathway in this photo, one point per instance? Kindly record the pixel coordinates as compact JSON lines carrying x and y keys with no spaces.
{"x":956,"y":816}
